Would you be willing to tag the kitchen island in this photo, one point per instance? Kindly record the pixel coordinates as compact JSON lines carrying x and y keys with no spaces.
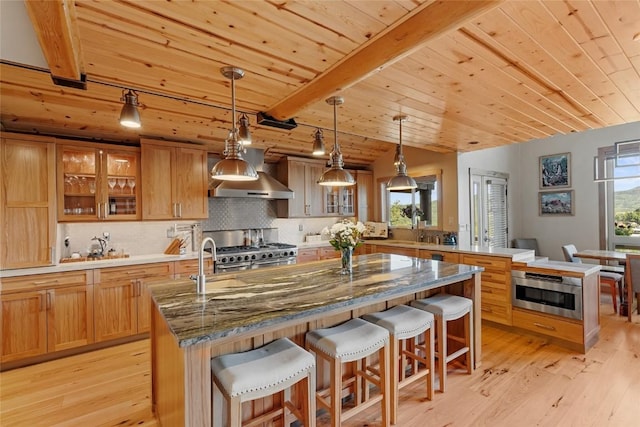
{"x":245,"y":310}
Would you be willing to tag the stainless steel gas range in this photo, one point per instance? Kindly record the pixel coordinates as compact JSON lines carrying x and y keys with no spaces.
{"x":251,"y":248}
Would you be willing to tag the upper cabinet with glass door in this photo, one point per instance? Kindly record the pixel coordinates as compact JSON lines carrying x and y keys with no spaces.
{"x":97,"y":182}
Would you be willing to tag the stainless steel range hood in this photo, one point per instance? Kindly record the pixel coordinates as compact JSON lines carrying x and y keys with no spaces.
{"x":265,"y":187}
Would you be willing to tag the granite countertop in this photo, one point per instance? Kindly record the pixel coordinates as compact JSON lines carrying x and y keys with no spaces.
{"x":103,"y":263}
{"x":516,"y":255}
{"x":239,"y":303}
{"x":582,"y":269}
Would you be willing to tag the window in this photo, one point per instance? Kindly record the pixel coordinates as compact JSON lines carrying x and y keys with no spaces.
{"x":618,"y":167}
{"x":404,"y":208}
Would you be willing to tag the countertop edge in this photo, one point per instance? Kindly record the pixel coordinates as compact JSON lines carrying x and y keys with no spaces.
{"x":91,"y":265}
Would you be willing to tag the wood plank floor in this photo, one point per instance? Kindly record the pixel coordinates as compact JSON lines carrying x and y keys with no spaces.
{"x":523,"y":381}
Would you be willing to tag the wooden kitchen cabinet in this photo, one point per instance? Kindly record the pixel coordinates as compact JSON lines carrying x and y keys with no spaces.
{"x":187,"y":267}
{"x":328,"y":253}
{"x":97,"y":182}
{"x":384,"y":249}
{"x":45,"y":313}
{"x":340,"y":201}
{"x":174,"y":179}
{"x":451,"y":257}
{"x":122,"y":302}
{"x":301,"y":177}
{"x":495,"y":287}
{"x":364,"y":195}
{"x":27,"y":201}
{"x":307,"y":255}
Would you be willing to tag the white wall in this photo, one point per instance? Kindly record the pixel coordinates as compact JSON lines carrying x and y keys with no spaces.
{"x":520,"y":161}
{"x":582,"y":229}
{"x":501,"y":159}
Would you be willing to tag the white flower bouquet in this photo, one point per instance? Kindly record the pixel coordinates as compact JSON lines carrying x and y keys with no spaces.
{"x":345,"y":234}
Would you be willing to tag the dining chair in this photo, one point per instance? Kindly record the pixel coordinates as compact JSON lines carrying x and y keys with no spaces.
{"x":611,"y":279}
{"x":632,"y":280}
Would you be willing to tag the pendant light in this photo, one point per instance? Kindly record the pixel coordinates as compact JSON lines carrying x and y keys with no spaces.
{"x":129,"y":116}
{"x":233,"y":167}
{"x":336,"y":176}
{"x":401,"y":181}
{"x":318,"y":143}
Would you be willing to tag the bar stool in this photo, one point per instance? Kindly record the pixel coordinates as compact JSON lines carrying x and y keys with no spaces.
{"x":352,"y":341}
{"x":445,"y":308}
{"x":254,"y":374}
{"x":406,"y":324}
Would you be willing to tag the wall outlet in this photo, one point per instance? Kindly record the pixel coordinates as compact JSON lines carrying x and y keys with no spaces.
{"x":300,"y":227}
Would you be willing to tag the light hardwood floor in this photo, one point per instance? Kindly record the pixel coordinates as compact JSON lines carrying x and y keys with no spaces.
{"x":523,"y":381}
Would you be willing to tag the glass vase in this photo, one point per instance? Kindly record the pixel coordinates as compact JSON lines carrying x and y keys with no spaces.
{"x":347,"y":260}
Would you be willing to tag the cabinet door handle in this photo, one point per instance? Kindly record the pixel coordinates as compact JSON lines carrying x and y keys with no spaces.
{"x":42,"y":303}
{"x":106,"y":210}
{"x":540,"y":325}
{"x":180,"y":210}
{"x":48,"y":300}
{"x":175,"y":210}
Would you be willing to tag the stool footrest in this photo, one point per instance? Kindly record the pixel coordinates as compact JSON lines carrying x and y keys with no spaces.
{"x":457,"y":354}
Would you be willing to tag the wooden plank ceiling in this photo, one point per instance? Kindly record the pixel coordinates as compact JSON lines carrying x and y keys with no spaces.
{"x":470,"y":75}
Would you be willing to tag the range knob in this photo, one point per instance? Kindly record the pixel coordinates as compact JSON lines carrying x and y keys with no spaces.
{"x":223,"y":259}
{"x":230,"y":259}
{"x":270,"y":255}
{"x":253,"y":256}
{"x":263,"y":256}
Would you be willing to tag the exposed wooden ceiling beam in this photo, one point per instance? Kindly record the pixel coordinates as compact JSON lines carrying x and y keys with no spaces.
{"x":426,"y":23}
{"x":54,"y":22}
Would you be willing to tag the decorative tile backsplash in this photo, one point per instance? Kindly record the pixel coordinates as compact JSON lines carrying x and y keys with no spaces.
{"x":226,"y":213}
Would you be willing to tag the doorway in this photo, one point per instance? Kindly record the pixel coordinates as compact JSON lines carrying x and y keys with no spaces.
{"x":489,"y":216}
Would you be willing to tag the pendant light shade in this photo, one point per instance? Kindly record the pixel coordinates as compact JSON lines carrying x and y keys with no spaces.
{"x":318,"y":143}
{"x":129,"y":116}
{"x":401,"y":181}
{"x":336,"y":176}
{"x":234,"y":167}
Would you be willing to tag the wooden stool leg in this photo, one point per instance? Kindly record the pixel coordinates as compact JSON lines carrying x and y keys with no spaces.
{"x":395,"y":372}
{"x":429,"y":345}
{"x":235,"y":412}
{"x":441,"y":351}
{"x":614,"y":296}
{"x":467,"y":341}
{"x":335,"y":371}
{"x":384,"y":355}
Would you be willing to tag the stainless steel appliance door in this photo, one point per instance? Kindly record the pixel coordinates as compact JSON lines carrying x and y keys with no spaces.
{"x":226,"y":268}
{"x":547,"y":296}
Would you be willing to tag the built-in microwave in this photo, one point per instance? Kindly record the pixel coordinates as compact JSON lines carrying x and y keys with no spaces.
{"x":546,"y":293}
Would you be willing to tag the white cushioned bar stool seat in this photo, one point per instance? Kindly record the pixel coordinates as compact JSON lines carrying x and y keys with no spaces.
{"x":352,"y":341}
{"x":445,"y":308}
{"x":254,"y":374}
{"x":406,"y":324}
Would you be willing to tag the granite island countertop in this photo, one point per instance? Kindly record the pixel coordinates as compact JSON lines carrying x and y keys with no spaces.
{"x":242,"y":302}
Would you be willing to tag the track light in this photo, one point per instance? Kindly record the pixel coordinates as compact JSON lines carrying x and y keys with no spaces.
{"x":129,"y":116}
{"x":318,"y":143}
{"x":233,"y":167}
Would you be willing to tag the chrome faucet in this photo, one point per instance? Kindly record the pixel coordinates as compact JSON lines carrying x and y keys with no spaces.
{"x":200,"y":279}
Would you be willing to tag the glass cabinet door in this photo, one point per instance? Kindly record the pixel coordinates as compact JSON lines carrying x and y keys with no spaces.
{"x":121,"y":184}
{"x":79,"y":181}
{"x":98,"y":184}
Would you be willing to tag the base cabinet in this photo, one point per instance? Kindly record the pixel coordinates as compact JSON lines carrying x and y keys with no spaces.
{"x":55,"y":314}
{"x":122,"y":301}
{"x":495,"y":287}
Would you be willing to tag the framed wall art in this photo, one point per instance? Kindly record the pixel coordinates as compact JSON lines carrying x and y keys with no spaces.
{"x":555,"y":171}
{"x":556,"y":203}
